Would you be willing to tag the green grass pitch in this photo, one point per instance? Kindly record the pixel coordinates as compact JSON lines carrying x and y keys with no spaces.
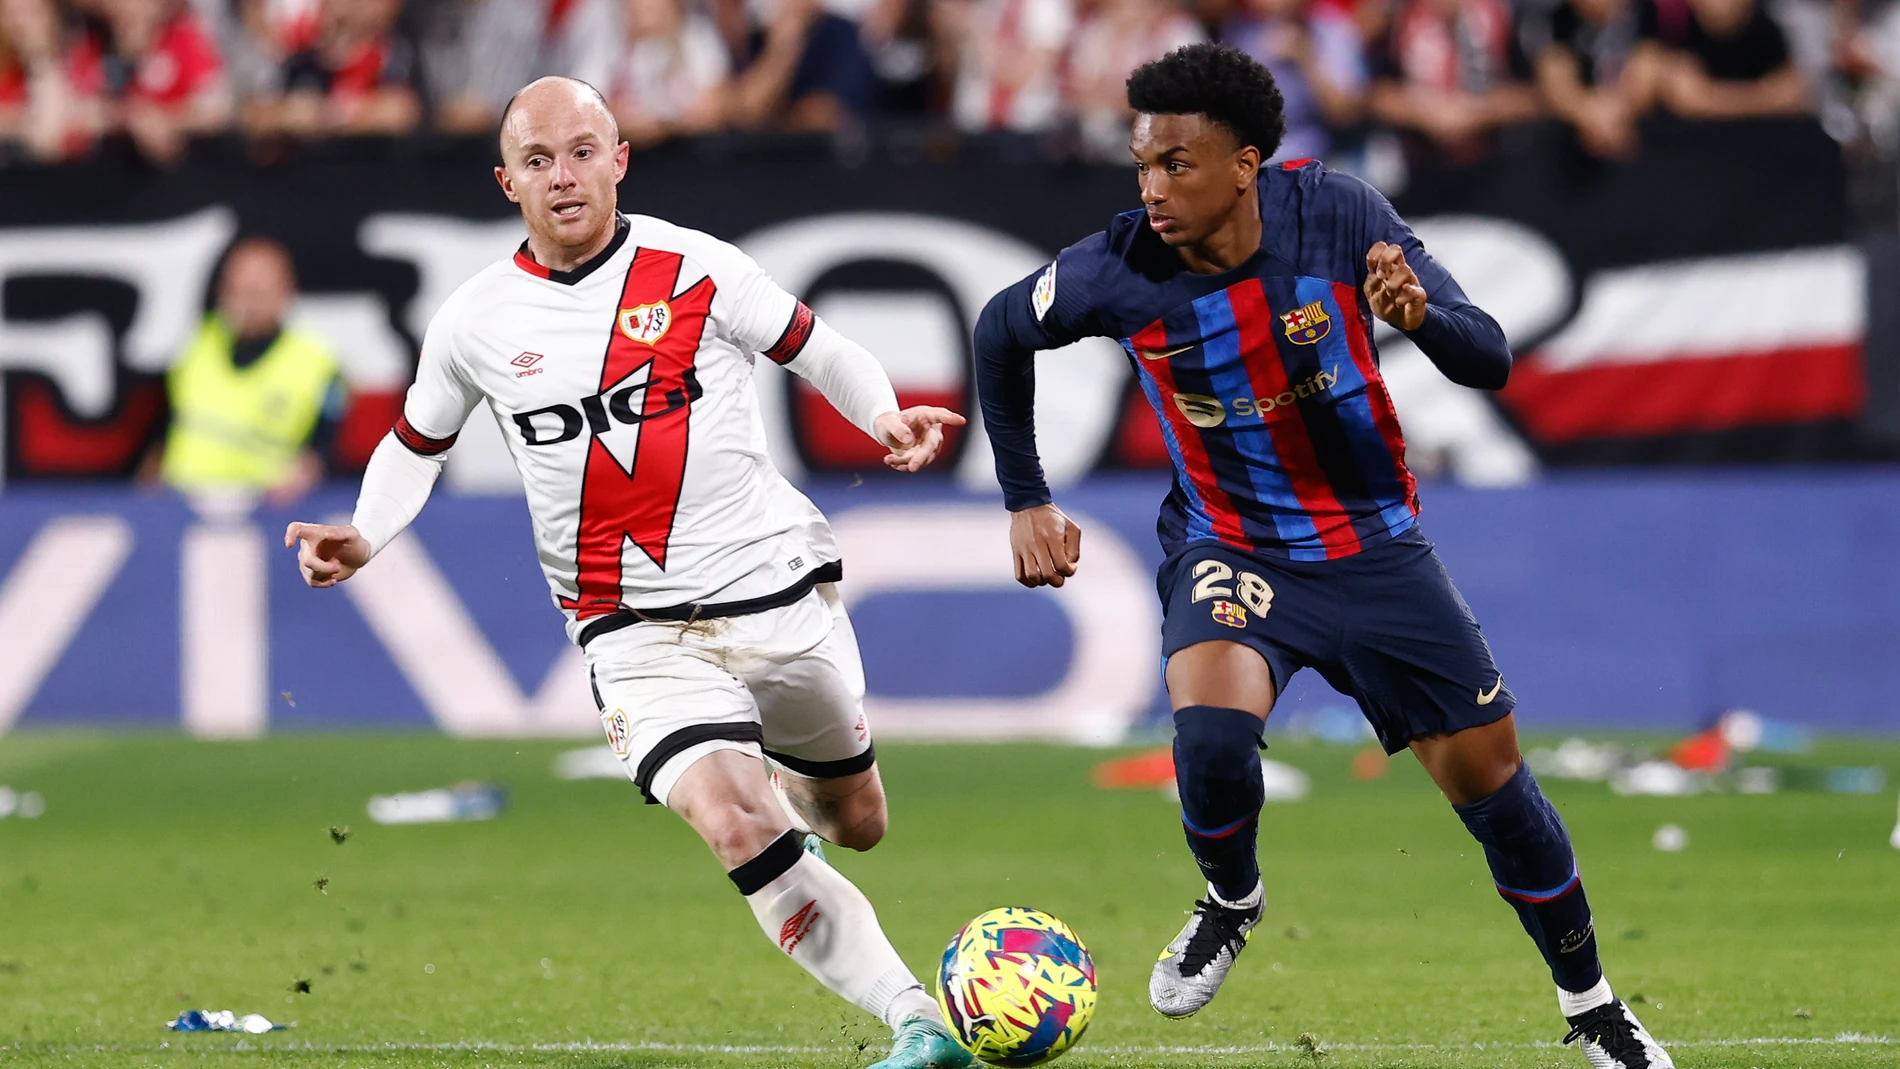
{"x":584,"y":929}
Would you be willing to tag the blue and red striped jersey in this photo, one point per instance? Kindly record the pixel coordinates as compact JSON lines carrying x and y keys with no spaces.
{"x":1264,"y":378}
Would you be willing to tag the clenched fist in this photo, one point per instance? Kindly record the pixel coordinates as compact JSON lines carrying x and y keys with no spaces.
{"x":1047,"y":545}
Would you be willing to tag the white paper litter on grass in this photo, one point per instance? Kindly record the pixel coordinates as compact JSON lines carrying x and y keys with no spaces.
{"x":590,"y":762}
{"x":1282,"y":781}
{"x":1578,"y":759}
{"x":27,"y":805}
{"x":1659,"y":778}
{"x":464,"y":801}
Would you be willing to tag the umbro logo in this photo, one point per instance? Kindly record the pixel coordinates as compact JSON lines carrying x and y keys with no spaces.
{"x":527,"y":361}
{"x":798,"y":926}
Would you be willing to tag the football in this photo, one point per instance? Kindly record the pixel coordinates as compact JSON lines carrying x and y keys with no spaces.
{"x":1017,"y":986}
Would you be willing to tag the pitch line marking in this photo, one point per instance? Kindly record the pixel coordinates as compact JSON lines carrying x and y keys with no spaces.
{"x":581,"y":1046}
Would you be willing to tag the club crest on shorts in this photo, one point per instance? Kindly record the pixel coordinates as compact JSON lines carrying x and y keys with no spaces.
{"x":646,"y":323}
{"x":1044,"y":294}
{"x":1229,"y":613}
{"x":617,"y":730}
{"x":1307,"y":324}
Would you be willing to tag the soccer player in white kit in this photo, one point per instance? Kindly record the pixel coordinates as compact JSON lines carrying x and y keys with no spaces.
{"x":616,"y":353}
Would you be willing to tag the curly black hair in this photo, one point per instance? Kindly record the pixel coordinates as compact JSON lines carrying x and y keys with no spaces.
{"x":1225,"y":84}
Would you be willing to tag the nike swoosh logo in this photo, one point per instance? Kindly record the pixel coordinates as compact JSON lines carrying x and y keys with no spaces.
{"x":1484,"y":697}
{"x":1163,"y":354}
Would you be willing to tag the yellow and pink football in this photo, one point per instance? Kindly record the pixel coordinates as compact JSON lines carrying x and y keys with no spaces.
{"x":1017,"y":987}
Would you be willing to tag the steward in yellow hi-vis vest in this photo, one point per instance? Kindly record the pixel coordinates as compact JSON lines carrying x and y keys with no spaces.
{"x":248,"y":392}
{"x":243,"y":427}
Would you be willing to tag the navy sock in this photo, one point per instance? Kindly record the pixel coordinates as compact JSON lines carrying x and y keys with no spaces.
{"x":1536,"y":872}
{"x":1217,"y":768}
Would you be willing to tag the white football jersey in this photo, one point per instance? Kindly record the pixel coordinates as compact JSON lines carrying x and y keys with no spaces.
{"x":624,"y":390}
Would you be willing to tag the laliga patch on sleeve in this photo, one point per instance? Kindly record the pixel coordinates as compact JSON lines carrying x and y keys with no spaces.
{"x":1044,"y":294}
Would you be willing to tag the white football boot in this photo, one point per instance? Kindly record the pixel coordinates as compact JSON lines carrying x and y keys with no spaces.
{"x":1612,"y":1038}
{"x":1192,"y":967}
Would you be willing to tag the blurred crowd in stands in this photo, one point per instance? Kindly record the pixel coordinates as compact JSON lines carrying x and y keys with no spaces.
{"x":1422,"y":80}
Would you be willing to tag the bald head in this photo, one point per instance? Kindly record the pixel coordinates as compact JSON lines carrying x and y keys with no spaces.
{"x":549,"y":98}
{"x":561,"y":160}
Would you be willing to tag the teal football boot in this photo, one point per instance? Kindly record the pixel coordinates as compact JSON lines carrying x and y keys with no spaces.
{"x":924,"y":1043}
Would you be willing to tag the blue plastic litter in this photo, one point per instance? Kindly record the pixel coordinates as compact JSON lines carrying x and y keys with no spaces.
{"x":222,"y":1021}
{"x":464,"y":801}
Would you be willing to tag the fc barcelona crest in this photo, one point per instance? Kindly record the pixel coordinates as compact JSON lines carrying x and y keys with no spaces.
{"x":1306,"y":325}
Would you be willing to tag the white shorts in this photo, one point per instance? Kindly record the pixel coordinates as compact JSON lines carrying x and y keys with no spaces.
{"x":785,"y":684}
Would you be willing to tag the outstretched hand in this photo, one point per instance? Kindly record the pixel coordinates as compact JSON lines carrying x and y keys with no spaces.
{"x":1047,"y":545}
{"x":914,"y":436}
{"x":1392,"y":288}
{"x":326,"y":553}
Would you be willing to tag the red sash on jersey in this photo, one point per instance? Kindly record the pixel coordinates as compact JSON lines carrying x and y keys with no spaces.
{"x":656,"y":329}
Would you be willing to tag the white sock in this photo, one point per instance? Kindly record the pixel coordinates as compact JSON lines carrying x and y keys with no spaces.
{"x":1254,"y":897}
{"x":828,"y":927}
{"x":1573,"y":1003}
{"x":910,"y":999}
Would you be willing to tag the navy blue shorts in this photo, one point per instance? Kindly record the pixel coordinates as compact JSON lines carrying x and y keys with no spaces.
{"x":1385,"y":626}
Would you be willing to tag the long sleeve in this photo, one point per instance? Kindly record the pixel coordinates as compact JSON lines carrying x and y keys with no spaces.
{"x":396,"y":485}
{"x":1007,"y":336}
{"x":1463,"y":340}
{"x":403,"y":469}
{"x":1460,"y":338}
{"x":756,"y":313}
{"x":848,"y":375}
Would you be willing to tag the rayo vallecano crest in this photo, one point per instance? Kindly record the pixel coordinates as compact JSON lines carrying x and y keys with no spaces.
{"x":647,"y":323}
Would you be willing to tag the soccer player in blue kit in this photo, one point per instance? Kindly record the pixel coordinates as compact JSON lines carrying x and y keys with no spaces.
{"x":1243,"y":295}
